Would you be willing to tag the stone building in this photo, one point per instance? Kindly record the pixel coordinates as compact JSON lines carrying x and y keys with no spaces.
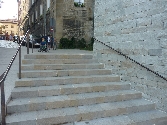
{"x":23,"y":7}
{"x":137,"y":33}
{"x":8,"y":26}
{"x":62,"y":18}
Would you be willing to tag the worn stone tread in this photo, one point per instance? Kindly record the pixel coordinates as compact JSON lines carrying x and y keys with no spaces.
{"x":58,"y":56}
{"x":86,"y":112}
{"x":26,"y":67}
{"x":154,"y":117}
{"x":66,"y":80}
{"x":59,"y":61}
{"x":69,"y":89}
{"x":50,"y":102}
{"x":60,"y":73}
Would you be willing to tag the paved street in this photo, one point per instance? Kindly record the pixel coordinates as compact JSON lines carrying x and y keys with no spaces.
{"x":6,"y":55}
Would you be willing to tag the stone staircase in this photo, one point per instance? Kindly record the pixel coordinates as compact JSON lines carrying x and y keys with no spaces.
{"x":74,"y":89}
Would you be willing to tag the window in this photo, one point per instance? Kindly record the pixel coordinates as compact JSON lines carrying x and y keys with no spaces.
{"x":6,"y":26}
{"x":12,"y":26}
{"x":32,"y":2}
{"x":41,"y":9}
{"x":48,"y":4}
{"x":79,"y":3}
{"x":36,"y":14}
{"x":32,"y":18}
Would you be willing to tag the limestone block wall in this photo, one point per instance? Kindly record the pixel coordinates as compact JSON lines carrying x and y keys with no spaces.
{"x":74,"y":21}
{"x":137,"y":29}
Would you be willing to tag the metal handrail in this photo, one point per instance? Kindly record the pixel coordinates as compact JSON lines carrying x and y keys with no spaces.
{"x":3,"y":77}
{"x":127,"y":57}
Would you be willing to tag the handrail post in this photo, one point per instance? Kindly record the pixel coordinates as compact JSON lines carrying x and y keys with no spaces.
{"x":20,"y":62}
{"x":32,"y":45}
{"x":28,"y":38}
{"x":3,"y":106}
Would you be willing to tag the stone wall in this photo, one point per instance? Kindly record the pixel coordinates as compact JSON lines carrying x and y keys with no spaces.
{"x":137,"y":29}
{"x":74,"y":21}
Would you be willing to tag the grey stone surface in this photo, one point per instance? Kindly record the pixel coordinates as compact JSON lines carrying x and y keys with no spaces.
{"x":67,"y":99}
{"x":6,"y":55}
{"x":155,"y":52}
{"x":137,"y":29}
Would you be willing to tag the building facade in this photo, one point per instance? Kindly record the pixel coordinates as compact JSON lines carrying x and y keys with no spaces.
{"x":61,"y":18}
{"x":23,"y":7}
{"x":9,"y":26}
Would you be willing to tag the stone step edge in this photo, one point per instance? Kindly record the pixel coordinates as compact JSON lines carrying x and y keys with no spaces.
{"x":62,"y":73}
{"x":57,"y":61}
{"x":61,"y":66}
{"x":79,"y":113}
{"x":72,"y":100}
{"x":68,"y":89}
{"x":59,"y":56}
{"x":36,"y":71}
{"x":159,"y":116}
{"x":66,"y":80}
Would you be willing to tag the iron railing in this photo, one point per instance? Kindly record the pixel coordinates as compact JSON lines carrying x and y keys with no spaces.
{"x":127,"y":57}
{"x":4,"y":75}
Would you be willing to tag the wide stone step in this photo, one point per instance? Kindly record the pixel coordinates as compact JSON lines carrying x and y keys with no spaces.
{"x":26,"y":92}
{"x":65,"y":80}
{"x":74,"y":100}
{"x":58,"y":56}
{"x":61,"y":66}
{"x":80,"y":113}
{"x":61,"y":73}
{"x":58,"y":61}
{"x":154,"y":117}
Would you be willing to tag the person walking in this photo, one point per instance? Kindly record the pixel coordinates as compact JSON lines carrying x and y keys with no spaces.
{"x":55,"y":43}
{"x":52,"y":42}
{"x":6,"y":36}
{"x":49,"y":42}
{"x":10,"y":37}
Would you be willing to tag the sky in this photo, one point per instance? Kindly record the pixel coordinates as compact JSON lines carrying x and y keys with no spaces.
{"x":79,"y":1}
{"x":9,"y":9}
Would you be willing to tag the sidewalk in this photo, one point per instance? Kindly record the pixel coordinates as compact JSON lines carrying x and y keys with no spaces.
{"x":6,"y":55}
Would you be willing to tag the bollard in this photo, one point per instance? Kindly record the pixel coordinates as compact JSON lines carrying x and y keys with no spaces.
{"x":32,"y":45}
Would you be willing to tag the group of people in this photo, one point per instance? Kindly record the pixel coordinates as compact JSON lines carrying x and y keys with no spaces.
{"x":10,"y":37}
{"x":49,"y":41}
